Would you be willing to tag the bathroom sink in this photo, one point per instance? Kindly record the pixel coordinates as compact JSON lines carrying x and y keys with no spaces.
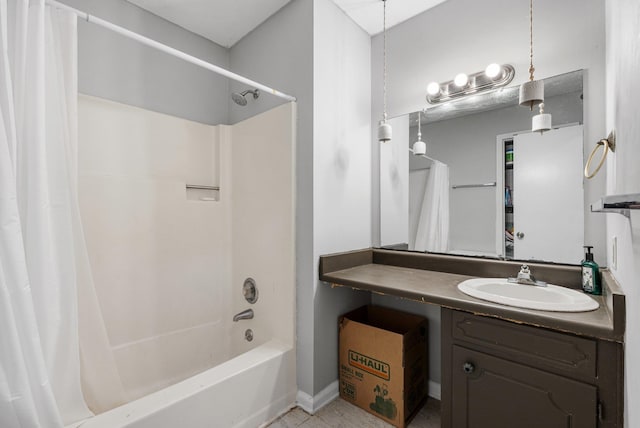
{"x":547,"y":298}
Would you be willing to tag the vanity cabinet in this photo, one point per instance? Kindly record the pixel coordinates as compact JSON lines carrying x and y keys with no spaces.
{"x":502,"y":374}
{"x":504,"y":366}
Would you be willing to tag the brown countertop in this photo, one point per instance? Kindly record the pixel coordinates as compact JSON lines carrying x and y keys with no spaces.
{"x":386,"y":272}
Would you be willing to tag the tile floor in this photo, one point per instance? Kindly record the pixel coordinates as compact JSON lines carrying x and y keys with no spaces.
{"x":341,"y":414}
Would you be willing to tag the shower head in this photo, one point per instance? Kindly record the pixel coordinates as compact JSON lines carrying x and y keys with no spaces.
{"x":240,"y":97}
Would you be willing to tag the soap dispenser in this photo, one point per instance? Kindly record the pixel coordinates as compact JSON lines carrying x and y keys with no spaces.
{"x":590,"y":274}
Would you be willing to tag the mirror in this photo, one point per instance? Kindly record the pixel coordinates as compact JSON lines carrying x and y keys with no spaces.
{"x":488,"y":186}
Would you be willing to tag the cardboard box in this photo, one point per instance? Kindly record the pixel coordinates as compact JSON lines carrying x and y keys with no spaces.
{"x":383,"y":362}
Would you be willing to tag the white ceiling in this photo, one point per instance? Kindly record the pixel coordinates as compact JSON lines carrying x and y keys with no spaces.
{"x":368,"y":13}
{"x":227,"y":21}
{"x":222,"y":21}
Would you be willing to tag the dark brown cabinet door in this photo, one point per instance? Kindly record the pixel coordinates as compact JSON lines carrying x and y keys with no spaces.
{"x":490,"y":392}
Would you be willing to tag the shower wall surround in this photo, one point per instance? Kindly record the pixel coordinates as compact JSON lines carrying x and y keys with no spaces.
{"x":263,"y":224}
{"x":160,"y":262}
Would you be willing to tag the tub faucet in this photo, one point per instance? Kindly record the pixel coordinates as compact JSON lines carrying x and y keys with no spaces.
{"x":244,"y":315}
{"x":525,"y":277}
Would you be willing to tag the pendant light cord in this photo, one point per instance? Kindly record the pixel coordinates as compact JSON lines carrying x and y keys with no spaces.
{"x":384,"y":60}
{"x":419,"y":125}
{"x":531,"y":68}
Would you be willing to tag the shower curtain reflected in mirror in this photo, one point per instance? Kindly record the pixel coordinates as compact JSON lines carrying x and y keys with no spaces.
{"x":432,"y":231}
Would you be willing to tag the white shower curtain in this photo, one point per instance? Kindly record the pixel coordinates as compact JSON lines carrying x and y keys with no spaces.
{"x":39,"y":351}
{"x":432,"y":233}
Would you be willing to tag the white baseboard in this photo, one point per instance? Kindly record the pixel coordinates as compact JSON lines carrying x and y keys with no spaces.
{"x":433,"y":390}
{"x":312,"y":404}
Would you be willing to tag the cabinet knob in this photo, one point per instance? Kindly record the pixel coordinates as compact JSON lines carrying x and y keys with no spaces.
{"x":520,"y":235}
{"x":468,"y":368}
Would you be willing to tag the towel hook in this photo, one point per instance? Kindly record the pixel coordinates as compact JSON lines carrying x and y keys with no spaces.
{"x":607,"y":144}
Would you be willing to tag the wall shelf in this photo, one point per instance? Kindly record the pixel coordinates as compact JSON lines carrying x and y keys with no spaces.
{"x":201,"y":187}
{"x":621,"y":204}
{"x":204,"y":193}
{"x":469,"y":186}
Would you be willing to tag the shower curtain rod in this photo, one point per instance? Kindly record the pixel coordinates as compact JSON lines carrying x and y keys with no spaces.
{"x":171,"y":51}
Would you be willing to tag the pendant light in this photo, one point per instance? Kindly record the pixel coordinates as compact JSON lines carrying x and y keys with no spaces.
{"x":384,"y":129}
{"x":541,"y":122}
{"x":419,"y":147}
{"x":531,"y":92}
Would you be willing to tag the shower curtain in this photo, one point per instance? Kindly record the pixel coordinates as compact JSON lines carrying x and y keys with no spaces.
{"x":42,"y":254}
{"x":432,"y":233}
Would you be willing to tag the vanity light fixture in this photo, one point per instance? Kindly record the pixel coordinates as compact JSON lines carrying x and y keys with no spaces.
{"x":419,"y":147}
{"x":493,"y":77}
{"x":384,"y":129}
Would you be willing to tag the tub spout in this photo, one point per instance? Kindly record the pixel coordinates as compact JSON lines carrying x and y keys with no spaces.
{"x":244,"y":315}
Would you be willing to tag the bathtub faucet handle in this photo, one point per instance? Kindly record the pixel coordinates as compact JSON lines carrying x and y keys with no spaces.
{"x":244,"y":315}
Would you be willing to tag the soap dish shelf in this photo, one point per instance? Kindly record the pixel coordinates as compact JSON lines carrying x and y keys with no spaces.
{"x":201,"y":187}
{"x":204,"y":193}
{"x":621,"y":204}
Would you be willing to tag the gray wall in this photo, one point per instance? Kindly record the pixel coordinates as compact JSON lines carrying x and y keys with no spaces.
{"x":432,"y":313}
{"x":311,"y":50}
{"x":113,"y":67}
{"x":623,"y":176}
{"x":279,"y":53}
{"x":342,"y":167}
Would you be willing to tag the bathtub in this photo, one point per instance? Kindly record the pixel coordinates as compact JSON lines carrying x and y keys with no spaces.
{"x":246,"y":391}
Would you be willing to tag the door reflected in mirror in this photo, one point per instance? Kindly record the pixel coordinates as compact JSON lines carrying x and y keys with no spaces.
{"x":487,"y":185}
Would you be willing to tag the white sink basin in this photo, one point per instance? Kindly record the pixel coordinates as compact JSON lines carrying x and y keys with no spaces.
{"x":549,"y":298}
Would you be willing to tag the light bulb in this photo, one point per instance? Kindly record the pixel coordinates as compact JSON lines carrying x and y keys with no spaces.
{"x":461,"y":80}
{"x":433,"y":89}
{"x":493,"y":70}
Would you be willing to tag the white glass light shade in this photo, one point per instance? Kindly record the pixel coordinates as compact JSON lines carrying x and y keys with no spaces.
{"x":461,"y":79}
{"x":532,"y":93}
{"x":493,"y":70}
{"x":419,"y":148}
{"x":433,"y":88}
{"x":384,"y":132}
{"x":541,"y":122}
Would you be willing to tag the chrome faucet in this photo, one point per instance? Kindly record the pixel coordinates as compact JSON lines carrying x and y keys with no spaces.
{"x":244,"y":315}
{"x":525,"y":277}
